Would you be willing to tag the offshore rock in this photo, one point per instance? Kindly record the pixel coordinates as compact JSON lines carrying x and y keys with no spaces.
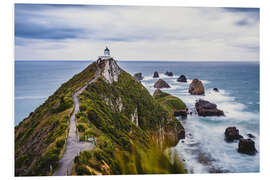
{"x":215,"y":89}
{"x":196,"y":87}
{"x":205,"y":108}
{"x":155,"y":74}
{"x":247,"y":146}
{"x":251,"y":136}
{"x":161,"y":84}
{"x":182,"y":78}
{"x":231,"y":134}
{"x":169,"y":73}
{"x":138,"y":76}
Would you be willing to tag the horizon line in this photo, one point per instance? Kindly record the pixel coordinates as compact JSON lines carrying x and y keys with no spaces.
{"x":127,"y":60}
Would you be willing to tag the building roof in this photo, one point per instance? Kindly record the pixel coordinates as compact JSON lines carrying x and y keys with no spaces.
{"x":107,"y":49}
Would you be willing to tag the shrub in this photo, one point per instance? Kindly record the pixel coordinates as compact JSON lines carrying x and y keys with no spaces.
{"x":81,"y":170}
{"x":81,"y":127}
{"x":83,"y":107}
{"x":60,"y":142}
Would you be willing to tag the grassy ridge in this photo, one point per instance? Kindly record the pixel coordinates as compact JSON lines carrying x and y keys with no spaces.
{"x":129,"y":126}
{"x":169,"y":102}
{"x":40,"y":138}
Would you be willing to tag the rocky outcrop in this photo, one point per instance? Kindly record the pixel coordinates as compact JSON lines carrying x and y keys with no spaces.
{"x":246,"y":146}
{"x":155,"y":74}
{"x":182,"y":113}
{"x":251,"y":136}
{"x":215,"y":89}
{"x":182,"y":78}
{"x":169,"y":73}
{"x":111,"y":71}
{"x":161,"y":84}
{"x":231,"y":134}
{"x":205,"y":108}
{"x":138,"y":76}
{"x":196,"y":87}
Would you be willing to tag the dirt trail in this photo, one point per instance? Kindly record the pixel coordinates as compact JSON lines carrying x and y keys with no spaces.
{"x":73,"y":145}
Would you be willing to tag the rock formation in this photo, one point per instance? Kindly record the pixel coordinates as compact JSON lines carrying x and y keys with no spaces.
{"x":196,"y":87}
{"x":205,"y":108}
{"x":182,"y":78}
{"x":155,"y":74}
{"x":246,"y":146}
{"x":182,"y":113}
{"x":138,"y":76}
{"x":111,"y":71}
{"x":251,"y":136}
{"x":169,"y":73}
{"x":231,"y":134}
{"x":161,"y":84}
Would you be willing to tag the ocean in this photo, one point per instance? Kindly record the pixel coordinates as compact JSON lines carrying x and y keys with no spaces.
{"x":204,"y":149}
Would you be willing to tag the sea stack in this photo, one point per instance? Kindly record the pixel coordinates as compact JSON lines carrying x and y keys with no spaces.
{"x":182,"y":78}
{"x":196,"y":87}
{"x":246,"y":146}
{"x":231,"y":134}
{"x":155,"y":74}
{"x":169,"y":73}
{"x":205,"y":108}
{"x":161,"y":84}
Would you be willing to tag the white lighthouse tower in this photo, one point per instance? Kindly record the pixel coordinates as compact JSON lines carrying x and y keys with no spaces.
{"x":107,"y":54}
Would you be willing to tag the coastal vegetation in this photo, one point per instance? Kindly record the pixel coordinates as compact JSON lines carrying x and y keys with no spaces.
{"x":40,"y":138}
{"x":132,"y":131}
{"x":130,"y":128}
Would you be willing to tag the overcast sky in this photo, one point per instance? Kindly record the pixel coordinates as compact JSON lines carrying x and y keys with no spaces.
{"x":66,"y":32}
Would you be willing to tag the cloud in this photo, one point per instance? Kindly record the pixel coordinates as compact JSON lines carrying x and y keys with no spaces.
{"x":136,"y":32}
{"x":32,"y":24}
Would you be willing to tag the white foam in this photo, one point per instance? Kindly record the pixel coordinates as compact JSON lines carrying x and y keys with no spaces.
{"x":147,"y":78}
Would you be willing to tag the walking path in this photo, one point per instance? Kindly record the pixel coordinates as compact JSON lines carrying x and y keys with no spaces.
{"x":73,"y":145}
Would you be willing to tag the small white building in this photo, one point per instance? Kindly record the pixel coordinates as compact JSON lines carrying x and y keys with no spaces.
{"x":107,"y":54}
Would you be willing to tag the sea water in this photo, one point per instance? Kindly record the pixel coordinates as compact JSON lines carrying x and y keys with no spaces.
{"x":204,"y":149}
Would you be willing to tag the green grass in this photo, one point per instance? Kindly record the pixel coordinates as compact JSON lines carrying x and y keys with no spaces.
{"x":122,"y":146}
{"x":39,"y":138}
{"x":169,"y":102}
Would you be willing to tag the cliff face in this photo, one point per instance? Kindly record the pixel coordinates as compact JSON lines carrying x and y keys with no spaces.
{"x":131,"y":128}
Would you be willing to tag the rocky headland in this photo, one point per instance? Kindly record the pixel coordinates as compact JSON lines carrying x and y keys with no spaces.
{"x":126,"y":123}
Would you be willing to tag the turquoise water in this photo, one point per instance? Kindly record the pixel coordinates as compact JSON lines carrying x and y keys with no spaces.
{"x":204,"y":149}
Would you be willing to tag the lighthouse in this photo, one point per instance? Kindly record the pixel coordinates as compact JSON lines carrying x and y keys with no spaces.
{"x":107,"y":55}
{"x":106,"y":51}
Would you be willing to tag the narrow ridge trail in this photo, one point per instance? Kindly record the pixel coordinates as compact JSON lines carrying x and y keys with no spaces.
{"x":73,"y":145}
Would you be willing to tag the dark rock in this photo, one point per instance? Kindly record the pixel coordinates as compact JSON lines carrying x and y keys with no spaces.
{"x":138,"y":76}
{"x":161,"y":84}
{"x":231,"y":133}
{"x":155,"y":74}
{"x":215,"y":89}
{"x":247,"y":146}
{"x":182,"y":78}
{"x":205,"y":108}
{"x":182,"y":112}
{"x":182,"y":134}
{"x":169,"y":73}
{"x":251,"y":135}
{"x":196,"y":87}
